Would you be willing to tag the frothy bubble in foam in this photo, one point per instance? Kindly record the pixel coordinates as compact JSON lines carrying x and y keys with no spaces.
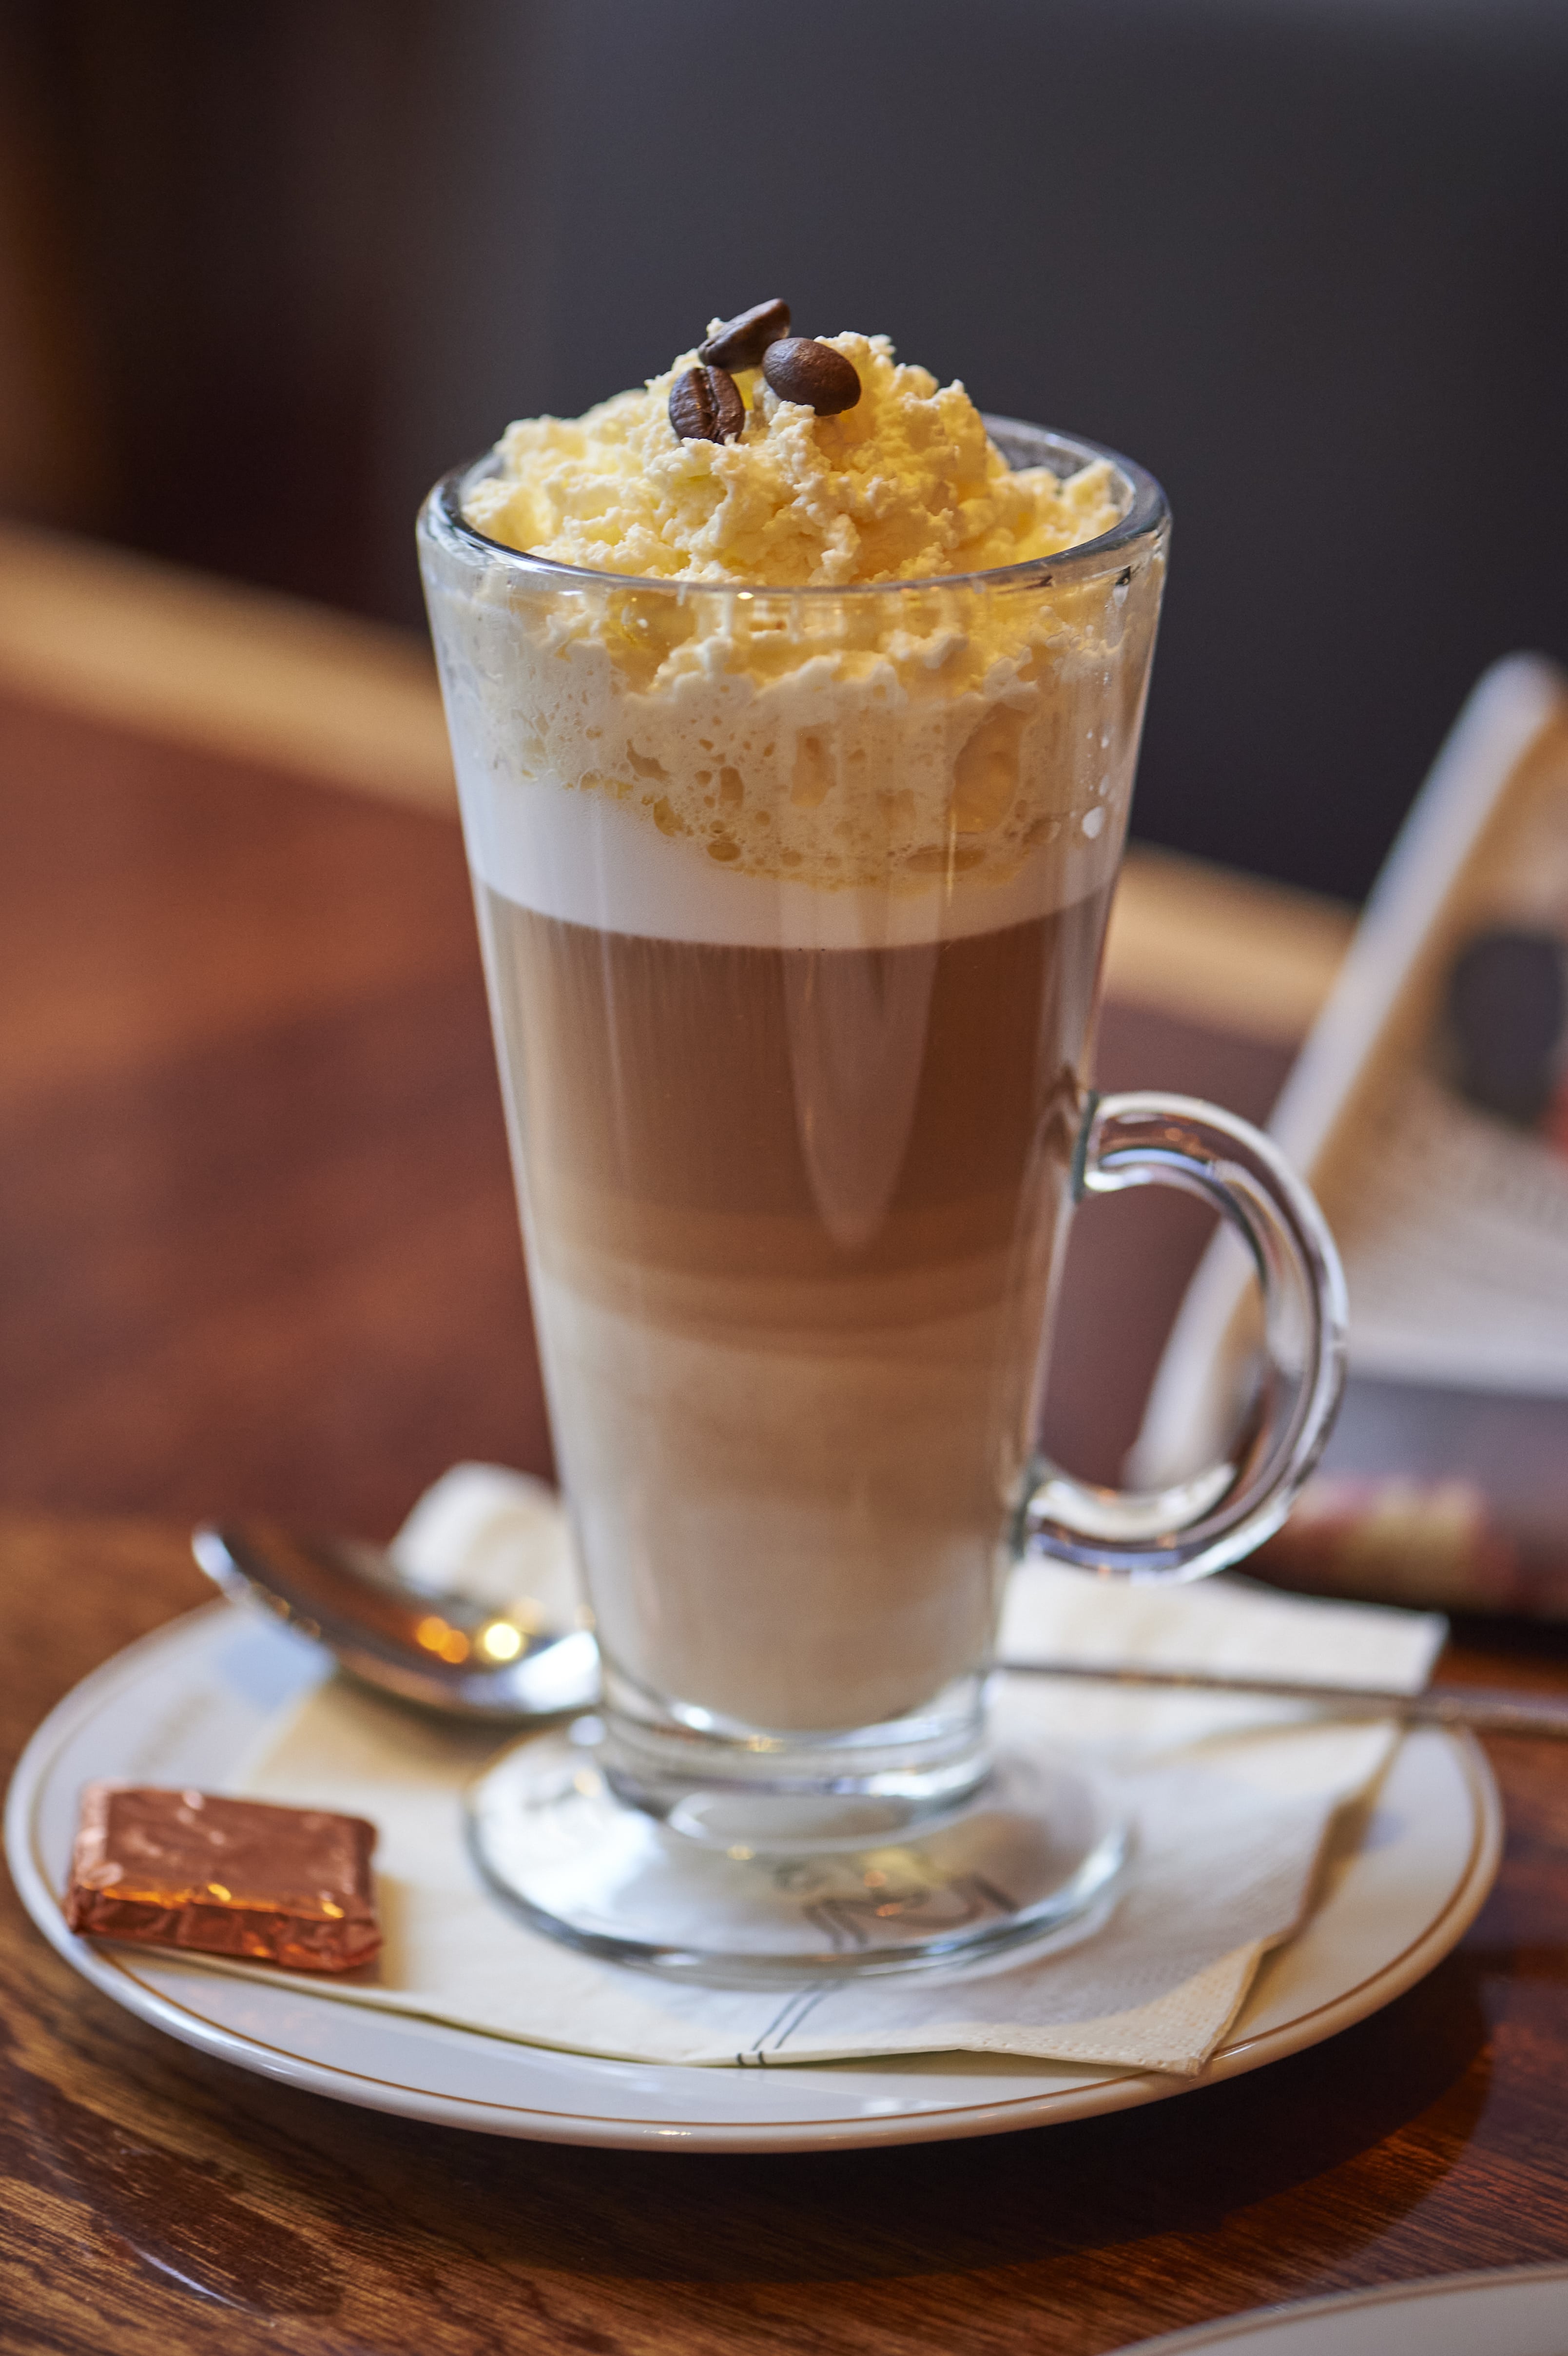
{"x":950,"y":773}
{"x":587,"y":859}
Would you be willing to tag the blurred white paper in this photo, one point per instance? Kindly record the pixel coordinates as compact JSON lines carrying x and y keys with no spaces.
{"x":1452,"y":1223}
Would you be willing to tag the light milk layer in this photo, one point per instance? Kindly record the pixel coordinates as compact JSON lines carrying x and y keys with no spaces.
{"x":588,"y":859}
{"x":794,"y":1537}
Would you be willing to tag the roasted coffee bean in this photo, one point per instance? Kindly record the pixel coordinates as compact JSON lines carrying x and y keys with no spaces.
{"x":799,"y":369}
{"x":741,"y":341}
{"x":705,"y":405}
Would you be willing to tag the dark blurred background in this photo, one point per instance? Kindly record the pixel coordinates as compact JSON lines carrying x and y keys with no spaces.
{"x":265,"y":269}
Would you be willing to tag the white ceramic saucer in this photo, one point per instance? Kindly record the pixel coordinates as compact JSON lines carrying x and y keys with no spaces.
{"x":187,"y":1704}
{"x":1523,"y":2312}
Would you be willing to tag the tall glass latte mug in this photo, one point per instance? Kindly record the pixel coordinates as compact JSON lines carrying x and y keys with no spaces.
{"x":792,"y":904}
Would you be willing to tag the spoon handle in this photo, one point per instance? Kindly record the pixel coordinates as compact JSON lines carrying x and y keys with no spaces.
{"x":1484,"y":1713}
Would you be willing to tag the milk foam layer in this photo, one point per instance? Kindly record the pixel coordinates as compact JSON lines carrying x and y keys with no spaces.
{"x":962,"y":779}
{"x":588,"y":859}
{"x":903,"y":765}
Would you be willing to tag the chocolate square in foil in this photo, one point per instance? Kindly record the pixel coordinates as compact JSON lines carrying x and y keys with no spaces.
{"x":286,"y":1886}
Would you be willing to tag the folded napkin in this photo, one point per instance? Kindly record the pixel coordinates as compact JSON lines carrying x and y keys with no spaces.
{"x":1231,"y":1801}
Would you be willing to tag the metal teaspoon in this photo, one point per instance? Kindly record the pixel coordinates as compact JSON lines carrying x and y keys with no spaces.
{"x":460,"y":1657}
{"x":441,"y":1649}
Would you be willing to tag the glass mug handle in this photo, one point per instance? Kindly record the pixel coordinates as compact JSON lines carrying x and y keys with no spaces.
{"x":1203,"y":1524}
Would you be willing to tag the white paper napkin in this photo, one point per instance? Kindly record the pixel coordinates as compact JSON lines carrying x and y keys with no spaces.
{"x":1231,"y":1801}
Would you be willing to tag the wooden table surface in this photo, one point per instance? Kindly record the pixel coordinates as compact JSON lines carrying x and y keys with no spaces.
{"x":259,"y":1250}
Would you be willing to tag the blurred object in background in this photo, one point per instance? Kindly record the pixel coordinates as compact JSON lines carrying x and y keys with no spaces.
{"x":1396,"y":1540}
{"x":1427,"y":1108}
{"x":224,"y":187}
{"x":1506,"y":1022}
{"x":267,"y":270}
{"x":52,"y":430}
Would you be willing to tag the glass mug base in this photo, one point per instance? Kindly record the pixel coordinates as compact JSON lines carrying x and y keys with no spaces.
{"x":752,"y":1888}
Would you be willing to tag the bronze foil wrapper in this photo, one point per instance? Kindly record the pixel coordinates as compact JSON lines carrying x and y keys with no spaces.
{"x":286,"y":1886}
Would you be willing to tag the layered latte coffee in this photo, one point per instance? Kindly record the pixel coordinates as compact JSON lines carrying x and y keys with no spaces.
{"x":792,"y":897}
{"x":795,"y":713}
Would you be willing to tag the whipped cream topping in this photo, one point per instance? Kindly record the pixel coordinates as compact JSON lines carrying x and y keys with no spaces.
{"x":697,"y":758}
{"x":905,"y":486}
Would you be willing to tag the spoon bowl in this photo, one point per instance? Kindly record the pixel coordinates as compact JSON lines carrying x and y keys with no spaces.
{"x":441,"y":1649}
